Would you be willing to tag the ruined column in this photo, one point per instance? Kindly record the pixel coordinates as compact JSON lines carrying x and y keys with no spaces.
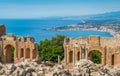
{"x":73,"y":55}
{"x":105,"y":55}
{"x":4,"y":58}
{"x":80,"y":53}
{"x":31,"y":54}
{"x":25,"y":53}
{"x":86,"y":53}
{"x":15,"y":56}
{"x":66,"y":49}
{"x":109,"y":56}
{"x":59,"y":61}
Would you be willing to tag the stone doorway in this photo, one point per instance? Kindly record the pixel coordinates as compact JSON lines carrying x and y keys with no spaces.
{"x":71,"y":57}
{"x":112,"y":60}
{"x":28,"y":53}
{"x":21,"y":53}
{"x":95,"y":56}
{"x":9,"y":53}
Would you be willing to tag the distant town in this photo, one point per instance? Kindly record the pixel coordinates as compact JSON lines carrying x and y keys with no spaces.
{"x":114,"y":30}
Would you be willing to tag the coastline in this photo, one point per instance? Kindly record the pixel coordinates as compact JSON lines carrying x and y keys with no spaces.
{"x":108,"y":29}
{"x":112,"y":33}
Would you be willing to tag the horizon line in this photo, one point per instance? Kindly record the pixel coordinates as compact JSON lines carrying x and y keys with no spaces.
{"x":47,"y":17}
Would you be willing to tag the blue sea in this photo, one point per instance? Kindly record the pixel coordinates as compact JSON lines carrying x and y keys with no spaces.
{"x":35,"y":28}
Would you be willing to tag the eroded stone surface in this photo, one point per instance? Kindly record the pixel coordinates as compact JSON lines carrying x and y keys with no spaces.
{"x":81,"y":48}
{"x":23,"y":47}
{"x":83,"y":68}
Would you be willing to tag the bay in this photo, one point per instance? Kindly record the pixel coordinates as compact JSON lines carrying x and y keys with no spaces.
{"x":35,"y":28}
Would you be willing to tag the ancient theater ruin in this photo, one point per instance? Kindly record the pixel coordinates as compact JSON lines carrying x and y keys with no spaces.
{"x":81,"y":48}
{"x":14,"y":49}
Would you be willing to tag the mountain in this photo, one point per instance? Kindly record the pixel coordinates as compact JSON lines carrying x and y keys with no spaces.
{"x":104,"y":16}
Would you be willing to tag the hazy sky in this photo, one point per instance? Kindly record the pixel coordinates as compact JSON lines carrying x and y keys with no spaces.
{"x":45,"y":8}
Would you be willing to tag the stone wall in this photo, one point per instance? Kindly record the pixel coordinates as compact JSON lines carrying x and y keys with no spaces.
{"x":81,"y":48}
{"x":24,"y":47}
{"x":2,"y":30}
{"x":14,"y":49}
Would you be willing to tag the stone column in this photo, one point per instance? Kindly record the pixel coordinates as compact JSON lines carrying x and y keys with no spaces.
{"x":80,"y":53}
{"x":15,"y":53}
{"x":31,"y":54}
{"x":59,"y":61}
{"x":4,"y":59}
{"x":109,"y":56}
{"x":86,"y":53}
{"x":66,"y":49}
{"x":25,"y":53}
{"x":73,"y":55}
{"x":105,"y":55}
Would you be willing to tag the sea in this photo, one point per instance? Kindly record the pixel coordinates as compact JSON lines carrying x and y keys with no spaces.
{"x":36,"y":28}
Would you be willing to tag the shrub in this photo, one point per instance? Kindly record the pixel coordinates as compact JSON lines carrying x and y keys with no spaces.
{"x":96,"y":56}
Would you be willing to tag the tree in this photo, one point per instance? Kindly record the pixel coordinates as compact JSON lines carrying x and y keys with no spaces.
{"x":50,"y":49}
{"x":96,"y":56}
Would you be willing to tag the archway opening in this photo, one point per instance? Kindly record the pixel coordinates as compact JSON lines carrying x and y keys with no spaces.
{"x":70,"y":56}
{"x":9,"y":54}
{"x":112,"y":61}
{"x":22,"y":53}
{"x":78,"y":56}
{"x":95,"y":56}
{"x":28,"y":53}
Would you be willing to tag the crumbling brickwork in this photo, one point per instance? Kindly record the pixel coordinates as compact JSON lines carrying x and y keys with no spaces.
{"x":81,"y":48}
{"x":2,"y":30}
{"x":16,"y":48}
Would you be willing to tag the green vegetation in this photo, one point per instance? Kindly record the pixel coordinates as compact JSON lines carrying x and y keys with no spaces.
{"x":49,"y":50}
{"x":12,"y":51}
{"x":96,"y":56}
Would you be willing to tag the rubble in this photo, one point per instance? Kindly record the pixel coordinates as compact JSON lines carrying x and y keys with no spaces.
{"x":81,"y":68}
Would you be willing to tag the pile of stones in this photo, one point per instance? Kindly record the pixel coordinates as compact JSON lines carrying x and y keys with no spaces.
{"x":88,"y":68}
{"x":82,"y":68}
{"x":27,"y":68}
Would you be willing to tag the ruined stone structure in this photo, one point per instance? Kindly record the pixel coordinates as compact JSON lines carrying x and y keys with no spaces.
{"x":81,"y":48}
{"x":14,"y":48}
{"x":2,"y":30}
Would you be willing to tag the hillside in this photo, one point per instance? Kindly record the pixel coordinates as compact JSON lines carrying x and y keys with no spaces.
{"x":104,"y":16}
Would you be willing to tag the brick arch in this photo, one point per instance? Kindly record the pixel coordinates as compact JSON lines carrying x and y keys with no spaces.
{"x":99,"y":50}
{"x":93,"y":50}
{"x":8,"y":54}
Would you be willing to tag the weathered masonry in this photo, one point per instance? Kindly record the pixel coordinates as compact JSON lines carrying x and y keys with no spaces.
{"x":81,"y":48}
{"x":13,"y":49}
